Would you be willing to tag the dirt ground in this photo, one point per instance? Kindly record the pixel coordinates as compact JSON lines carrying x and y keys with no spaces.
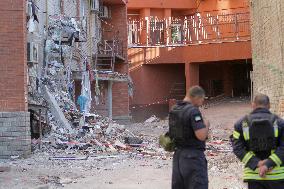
{"x":129,"y":171}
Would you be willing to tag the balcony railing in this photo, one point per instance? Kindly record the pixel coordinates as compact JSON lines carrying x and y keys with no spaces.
{"x":189,"y":30}
{"x":111,"y":48}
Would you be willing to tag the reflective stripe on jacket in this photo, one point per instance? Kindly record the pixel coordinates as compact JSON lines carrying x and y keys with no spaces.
{"x":276,"y":174}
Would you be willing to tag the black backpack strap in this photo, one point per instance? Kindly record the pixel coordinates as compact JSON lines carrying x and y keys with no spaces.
{"x":249,"y":119}
{"x":188,"y":107}
{"x":187,"y":110}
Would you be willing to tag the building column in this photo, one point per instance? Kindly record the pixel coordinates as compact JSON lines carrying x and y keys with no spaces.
{"x":15,"y":137}
{"x":227,"y":80}
{"x":191,"y":74}
{"x":145,"y":17}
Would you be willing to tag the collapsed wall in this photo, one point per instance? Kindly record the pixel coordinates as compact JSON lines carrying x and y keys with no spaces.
{"x":267,"y":45}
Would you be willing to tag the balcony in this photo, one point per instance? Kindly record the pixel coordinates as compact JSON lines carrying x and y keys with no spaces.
{"x":187,"y":30}
{"x":111,"y":48}
{"x":109,"y":53}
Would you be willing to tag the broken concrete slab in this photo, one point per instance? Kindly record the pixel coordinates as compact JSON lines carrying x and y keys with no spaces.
{"x":152,"y":119}
{"x":56,"y":110}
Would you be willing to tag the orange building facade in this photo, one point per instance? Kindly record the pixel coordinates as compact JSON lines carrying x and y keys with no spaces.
{"x":175,"y":44}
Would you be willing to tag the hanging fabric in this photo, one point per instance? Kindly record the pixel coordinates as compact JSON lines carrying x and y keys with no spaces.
{"x":85,"y":99}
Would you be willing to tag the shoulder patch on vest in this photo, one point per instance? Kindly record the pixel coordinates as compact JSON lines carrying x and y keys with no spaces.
{"x":197,"y":118}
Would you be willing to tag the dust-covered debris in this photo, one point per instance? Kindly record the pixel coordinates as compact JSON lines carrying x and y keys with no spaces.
{"x":152,"y":119}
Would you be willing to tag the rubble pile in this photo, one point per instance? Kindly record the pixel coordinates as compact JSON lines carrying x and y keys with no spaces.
{"x":58,"y":87}
{"x":63,"y":29}
{"x":99,"y":135}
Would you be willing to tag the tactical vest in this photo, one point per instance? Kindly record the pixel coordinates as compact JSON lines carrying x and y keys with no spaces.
{"x":179,"y":130}
{"x":262,"y":135}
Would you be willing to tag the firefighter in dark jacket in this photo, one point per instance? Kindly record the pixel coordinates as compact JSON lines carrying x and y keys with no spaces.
{"x":258,"y":141}
{"x":189,"y":131}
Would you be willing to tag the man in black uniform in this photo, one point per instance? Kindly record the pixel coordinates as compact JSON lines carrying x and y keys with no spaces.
{"x":258,"y":141}
{"x":189,"y":131}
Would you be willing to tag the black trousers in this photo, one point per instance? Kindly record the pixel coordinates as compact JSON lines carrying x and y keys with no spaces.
{"x":189,"y":170}
{"x":266,"y":185}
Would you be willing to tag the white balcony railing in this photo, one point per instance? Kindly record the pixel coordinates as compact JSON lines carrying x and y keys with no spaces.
{"x":189,"y":30}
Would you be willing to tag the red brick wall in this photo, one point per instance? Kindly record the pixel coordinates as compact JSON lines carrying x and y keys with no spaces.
{"x":13,"y":56}
{"x":153,"y":82}
{"x":120,"y":90}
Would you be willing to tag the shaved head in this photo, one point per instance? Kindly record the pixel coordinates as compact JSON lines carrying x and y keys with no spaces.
{"x":196,"y":91}
{"x":261,"y":101}
{"x":195,"y":95}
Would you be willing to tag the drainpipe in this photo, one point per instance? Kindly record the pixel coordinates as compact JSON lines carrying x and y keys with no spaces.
{"x":90,"y":40}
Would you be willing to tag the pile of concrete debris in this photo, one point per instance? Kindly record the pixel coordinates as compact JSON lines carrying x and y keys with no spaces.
{"x":87,"y":133}
{"x":98,"y":135}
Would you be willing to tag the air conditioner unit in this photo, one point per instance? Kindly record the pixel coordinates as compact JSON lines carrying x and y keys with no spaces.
{"x":105,"y":12}
{"x":95,"y":5}
{"x":32,"y":52}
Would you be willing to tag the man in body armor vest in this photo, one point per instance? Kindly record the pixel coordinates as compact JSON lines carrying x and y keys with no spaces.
{"x":188,"y":131}
{"x":258,"y":141}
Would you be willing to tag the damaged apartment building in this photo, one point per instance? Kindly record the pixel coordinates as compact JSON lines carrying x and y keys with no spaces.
{"x":75,"y":63}
{"x":177,"y":44}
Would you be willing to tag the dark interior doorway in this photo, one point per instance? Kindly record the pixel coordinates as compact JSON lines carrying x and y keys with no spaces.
{"x":231,"y":78}
{"x":241,"y":79}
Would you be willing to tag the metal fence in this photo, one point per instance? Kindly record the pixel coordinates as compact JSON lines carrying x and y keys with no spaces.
{"x":189,"y":30}
{"x":111,"y":47}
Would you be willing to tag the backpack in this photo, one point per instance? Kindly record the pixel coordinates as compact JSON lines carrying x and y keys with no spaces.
{"x":179,"y":131}
{"x":261,"y":133}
